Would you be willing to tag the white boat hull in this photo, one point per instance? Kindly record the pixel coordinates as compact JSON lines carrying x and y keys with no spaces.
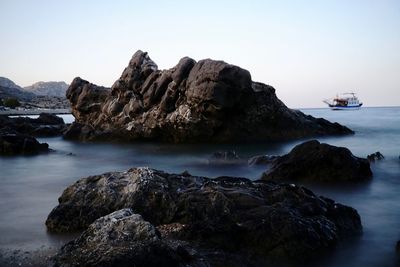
{"x":345,"y":107}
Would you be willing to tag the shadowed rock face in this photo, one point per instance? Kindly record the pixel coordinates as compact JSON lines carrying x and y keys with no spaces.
{"x":15,"y":143}
{"x":233,"y":214}
{"x":204,"y":101}
{"x":313,"y":161}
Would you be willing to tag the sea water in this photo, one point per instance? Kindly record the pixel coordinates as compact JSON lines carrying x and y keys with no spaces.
{"x":30,"y":185}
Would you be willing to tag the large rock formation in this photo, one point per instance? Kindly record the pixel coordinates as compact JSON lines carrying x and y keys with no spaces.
{"x":204,"y":101}
{"x":266,"y":219}
{"x":313,"y":161}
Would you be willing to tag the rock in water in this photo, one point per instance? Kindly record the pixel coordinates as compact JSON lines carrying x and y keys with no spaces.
{"x":375,"y":156}
{"x":121,"y":238}
{"x":313,"y":161}
{"x":45,"y":125}
{"x":204,"y":101}
{"x":233,"y":214}
{"x":14,"y":143}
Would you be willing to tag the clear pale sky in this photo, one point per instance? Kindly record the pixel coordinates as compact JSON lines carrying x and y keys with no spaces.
{"x":307,"y":50}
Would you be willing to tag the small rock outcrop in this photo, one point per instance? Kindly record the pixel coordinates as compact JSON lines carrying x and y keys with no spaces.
{"x":121,"y":238}
{"x":375,"y":156}
{"x":14,"y":143}
{"x":45,"y":125}
{"x":315,"y":161}
{"x":204,"y":101}
{"x":254,"y":218}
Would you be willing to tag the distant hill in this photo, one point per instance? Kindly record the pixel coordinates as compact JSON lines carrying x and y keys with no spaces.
{"x":5,"y":82}
{"x":38,"y":95}
{"x":48,"y":89}
{"x":9,"y":89}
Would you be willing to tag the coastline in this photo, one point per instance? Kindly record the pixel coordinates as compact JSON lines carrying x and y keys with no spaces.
{"x":16,"y":112}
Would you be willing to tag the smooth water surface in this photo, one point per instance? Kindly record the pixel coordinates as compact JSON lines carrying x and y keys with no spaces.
{"x":30,"y":185}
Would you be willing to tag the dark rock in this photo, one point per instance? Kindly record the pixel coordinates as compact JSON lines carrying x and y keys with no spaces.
{"x":49,"y":119}
{"x":313,"y":161}
{"x":230,"y":214}
{"x":14,"y":143}
{"x":375,"y":156}
{"x":44,"y":125}
{"x":261,"y":160}
{"x":205,"y":101}
{"x":121,"y":238}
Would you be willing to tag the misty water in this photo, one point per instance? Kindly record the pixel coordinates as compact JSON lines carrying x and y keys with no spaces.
{"x":30,"y":185}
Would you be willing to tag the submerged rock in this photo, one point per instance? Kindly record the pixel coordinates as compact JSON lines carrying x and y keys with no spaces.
{"x":315,"y":161}
{"x":121,"y":238}
{"x":204,"y":101}
{"x":14,"y":143}
{"x":255,"y":218}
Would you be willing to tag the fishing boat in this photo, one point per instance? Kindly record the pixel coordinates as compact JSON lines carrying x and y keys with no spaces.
{"x":346,"y":101}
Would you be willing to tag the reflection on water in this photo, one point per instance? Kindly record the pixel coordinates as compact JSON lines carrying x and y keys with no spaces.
{"x":31,"y":185}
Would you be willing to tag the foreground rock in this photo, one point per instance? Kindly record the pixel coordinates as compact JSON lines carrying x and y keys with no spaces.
{"x":45,"y":125}
{"x":14,"y":143}
{"x":121,"y":238}
{"x":204,"y":101}
{"x":257,"y":219}
{"x":313,"y":161}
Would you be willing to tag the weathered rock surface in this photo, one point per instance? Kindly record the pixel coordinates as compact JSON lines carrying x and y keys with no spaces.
{"x":204,"y":101}
{"x":45,"y":125}
{"x":122,"y":238}
{"x":313,"y":161}
{"x":232,"y":214}
{"x":14,"y":143}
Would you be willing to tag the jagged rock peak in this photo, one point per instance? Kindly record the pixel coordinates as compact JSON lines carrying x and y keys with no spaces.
{"x":204,"y":101}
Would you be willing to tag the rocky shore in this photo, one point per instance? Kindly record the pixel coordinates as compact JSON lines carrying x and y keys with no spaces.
{"x":178,"y":217}
{"x":204,"y":101}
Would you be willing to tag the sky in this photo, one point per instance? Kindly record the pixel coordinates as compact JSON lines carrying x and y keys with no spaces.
{"x":308,"y":50}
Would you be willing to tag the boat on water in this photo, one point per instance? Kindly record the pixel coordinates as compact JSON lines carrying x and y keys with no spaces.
{"x":346,"y":101}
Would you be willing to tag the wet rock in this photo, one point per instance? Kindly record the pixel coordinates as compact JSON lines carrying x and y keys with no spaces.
{"x":230,"y":214}
{"x":375,"y":156}
{"x":315,"y":161}
{"x":14,"y":143}
{"x":261,"y":160}
{"x":204,"y":101}
{"x":121,"y":238}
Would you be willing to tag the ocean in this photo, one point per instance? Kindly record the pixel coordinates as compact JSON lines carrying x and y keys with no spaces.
{"x":31,"y":185}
